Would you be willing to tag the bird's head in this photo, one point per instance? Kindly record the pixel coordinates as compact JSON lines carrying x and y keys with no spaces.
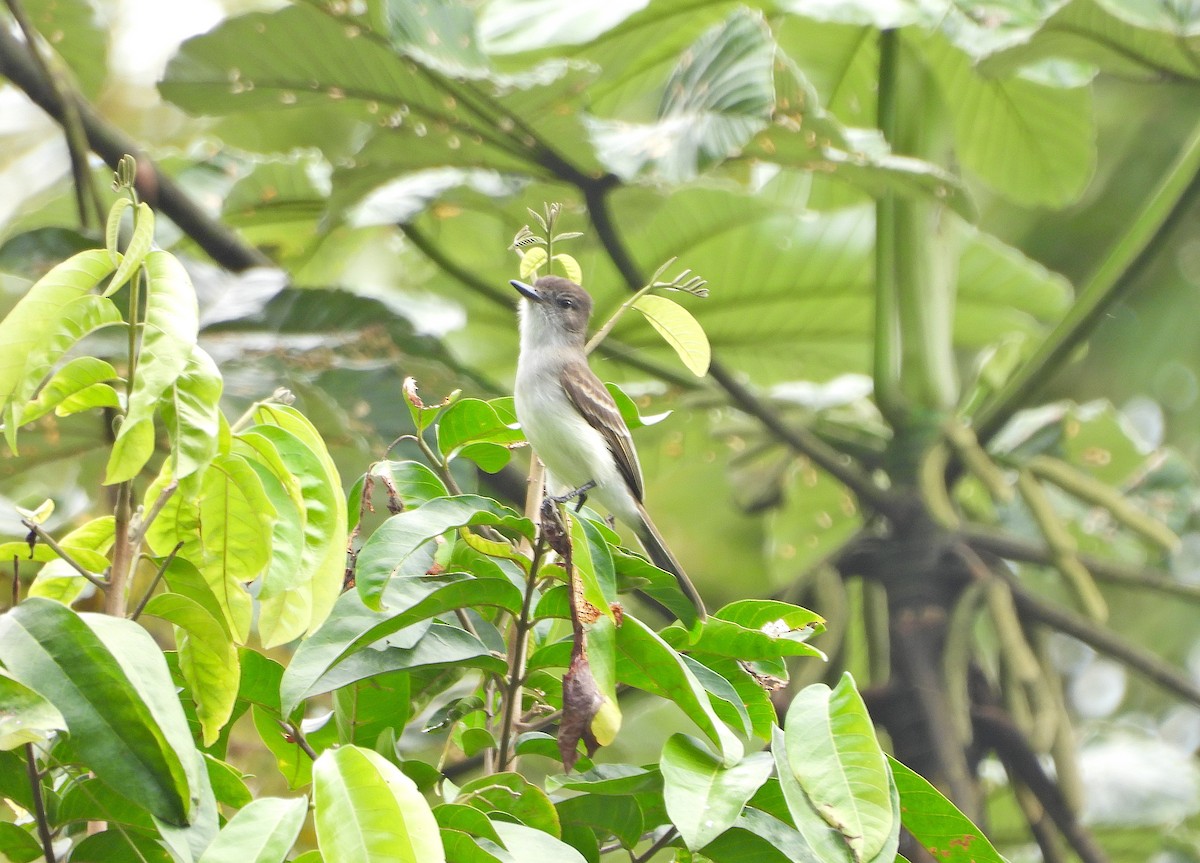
{"x":555,"y":308}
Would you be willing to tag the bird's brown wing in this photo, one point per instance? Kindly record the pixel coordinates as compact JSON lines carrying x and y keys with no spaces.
{"x":596,"y":405}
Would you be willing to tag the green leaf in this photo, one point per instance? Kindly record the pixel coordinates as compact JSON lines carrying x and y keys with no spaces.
{"x":832,"y":750}
{"x":758,"y":837}
{"x":367,"y":708}
{"x":109,"y":680}
{"x":680,"y":330}
{"x":936,"y":823}
{"x":1032,"y":143}
{"x":17,"y":844}
{"x":138,"y":248}
{"x":470,"y":422}
{"x":55,"y":313}
{"x":704,"y":797}
{"x":531,"y":261}
{"x":208,"y":659}
{"x":394,"y":543}
{"x":324,"y":508}
{"x":224,"y":521}
{"x":25,"y":716}
{"x":292,"y":596}
{"x":367,"y":811}
{"x":112,"y":226}
{"x":261,"y":832}
{"x":78,"y":35}
{"x":1120,"y":38}
{"x":75,"y":377}
{"x":535,"y":846}
{"x":115,"y":845}
{"x":718,"y":97}
{"x":513,"y":795}
{"x":619,"y":817}
{"x":229,"y":785}
{"x":570,"y":267}
{"x":645,"y":661}
{"x":168,"y":337}
{"x":191,"y":411}
{"x":415,"y":483}
{"x":352,"y":627}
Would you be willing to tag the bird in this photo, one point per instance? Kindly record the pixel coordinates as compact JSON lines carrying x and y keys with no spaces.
{"x":572,"y":422}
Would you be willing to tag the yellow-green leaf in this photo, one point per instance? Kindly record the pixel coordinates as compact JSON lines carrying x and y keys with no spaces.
{"x":680,"y":330}
{"x":136,"y":251}
{"x":531,"y":261}
{"x":570,"y":267}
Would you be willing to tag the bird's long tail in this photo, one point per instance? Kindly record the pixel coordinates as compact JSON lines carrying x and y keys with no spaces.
{"x":661,"y":557}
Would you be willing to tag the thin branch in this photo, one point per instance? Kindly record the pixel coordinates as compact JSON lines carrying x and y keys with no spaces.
{"x":1104,"y":640}
{"x":1149,"y":230}
{"x":39,"y":804}
{"x":57,"y":549}
{"x":160,"y":191}
{"x":1014,"y":548}
{"x":886,"y":360}
{"x":799,"y":439}
{"x":659,"y":844}
{"x":1023,"y":764}
{"x":163,"y":496}
{"x":141,"y":606}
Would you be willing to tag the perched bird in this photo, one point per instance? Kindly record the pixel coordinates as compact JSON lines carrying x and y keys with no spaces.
{"x":571,"y":420}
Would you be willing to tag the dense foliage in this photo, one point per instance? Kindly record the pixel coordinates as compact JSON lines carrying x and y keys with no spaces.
{"x":851,"y":179}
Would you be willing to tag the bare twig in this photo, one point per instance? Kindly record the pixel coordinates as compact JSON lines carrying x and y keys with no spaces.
{"x":58,"y":549}
{"x":163,"y":496}
{"x":659,"y":844}
{"x":1014,"y":548}
{"x":154,"y":583}
{"x":1104,"y":640}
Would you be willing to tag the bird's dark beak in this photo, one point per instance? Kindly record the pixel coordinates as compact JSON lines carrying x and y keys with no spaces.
{"x":528,"y":291}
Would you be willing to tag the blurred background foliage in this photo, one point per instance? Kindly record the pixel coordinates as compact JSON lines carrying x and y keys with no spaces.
{"x":356,"y":170}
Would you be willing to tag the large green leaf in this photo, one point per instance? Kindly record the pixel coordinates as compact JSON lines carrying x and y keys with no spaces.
{"x":832,"y":750}
{"x":391,"y":548}
{"x":352,"y":627}
{"x":76,"y":32}
{"x":1031,"y":142}
{"x":168,"y":336}
{"x":704,"y":797}
{"x":796,"y":300}
{"x":25,"y":715}
{"x":1126,"y":39}
{"x":646,"y":661}
{"x":224,"y":521}
{"x":367,"y":811}
{"x":324,"y":507}
{"x":293,"y":599}
{"x":110,"y":682}
{"x":718,"y":97}
{"x":535,"y":846}
{"x":936,"y":823}
{"x":208,"y":659}
{"x":263,"y":831}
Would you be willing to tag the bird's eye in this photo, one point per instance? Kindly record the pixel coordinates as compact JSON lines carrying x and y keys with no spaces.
{"x":564,"y":302}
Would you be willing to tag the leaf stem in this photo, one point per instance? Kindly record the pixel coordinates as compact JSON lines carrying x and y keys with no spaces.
{"x":601,"y":333}
{"x":141,"y":606}
{"x":886,"y":371}
{"x":659,"y":844}
{"x":58,"y":549}
{"x":39,"y":804}
{"x":293,"y":731}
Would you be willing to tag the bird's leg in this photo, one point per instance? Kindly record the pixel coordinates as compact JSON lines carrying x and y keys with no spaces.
{"x":580,"y":493}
